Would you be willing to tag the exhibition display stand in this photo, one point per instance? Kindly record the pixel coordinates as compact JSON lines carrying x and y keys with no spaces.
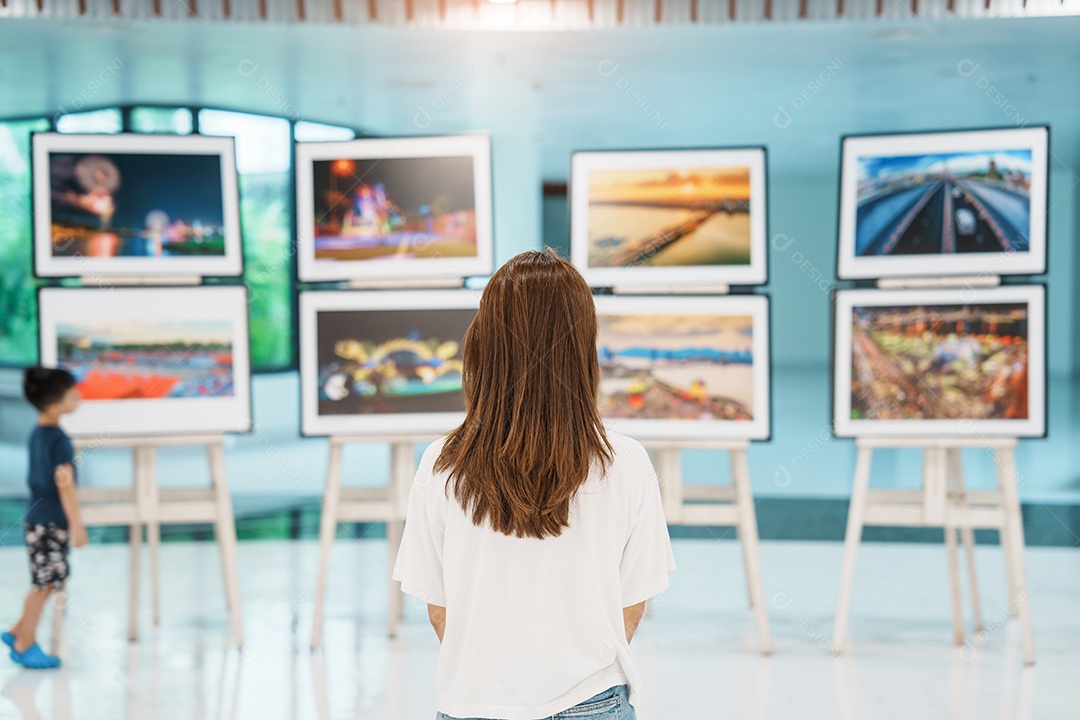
{"x":726,"y":505}
{"x":142,"y":281}
{"x":145,"y":504}
{"x":712,"y":289}
{"x":943,"y":502}
{"x":710,"y":505}
{"x":370,"y":504}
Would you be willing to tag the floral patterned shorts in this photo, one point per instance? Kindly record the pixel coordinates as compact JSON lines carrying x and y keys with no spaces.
{"x":48,"y":547}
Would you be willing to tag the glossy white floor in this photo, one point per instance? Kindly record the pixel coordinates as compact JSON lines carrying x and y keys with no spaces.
{"x":696,"y":650}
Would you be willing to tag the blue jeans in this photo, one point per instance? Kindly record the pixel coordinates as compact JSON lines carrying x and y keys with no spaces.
{"x":611,"y":704}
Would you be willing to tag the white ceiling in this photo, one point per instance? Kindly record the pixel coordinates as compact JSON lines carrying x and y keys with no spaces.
{"x":692,"y":86}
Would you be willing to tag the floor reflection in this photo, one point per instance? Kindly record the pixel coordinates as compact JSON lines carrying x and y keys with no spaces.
{"x":697,"y":653}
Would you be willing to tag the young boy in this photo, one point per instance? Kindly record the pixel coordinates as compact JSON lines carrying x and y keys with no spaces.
{"x":52,"y":515}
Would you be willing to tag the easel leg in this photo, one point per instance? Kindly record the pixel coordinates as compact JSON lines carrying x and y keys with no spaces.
{"x":967,"y":536}
{"x":224,"y":559}
{"x":936,"y":483}
{"x":747,"y":556}
{"x":327,"y":528}
{"x":139,"y":462}
{"x":395,"y":603}
{"x":153,"y":543}
{"x":135,"y":541}
{"x":746,"y":564}
{"x":748,"y":536}
{"x":1018,"y":591}
{"x":402,"y":462}
{"x":954,"y":586}
{"x":226,"y":537}
{"x":153,"y":528}
{"x":1006,"y":539}
{"x":852,"y":538}
{"x":668,"y":464}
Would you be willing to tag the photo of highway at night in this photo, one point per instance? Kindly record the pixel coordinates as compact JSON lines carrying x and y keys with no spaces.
{"x":940,"y":362}
{"x":968,"y":202}
{"x":676,"y":367}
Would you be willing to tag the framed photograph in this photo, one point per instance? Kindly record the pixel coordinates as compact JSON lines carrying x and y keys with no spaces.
{"x":383,"y":362}
{"x":957,"y":362}
{"x":950,"y":203}
{"x":394,"y":209}
{"x":135,"y":205}
{"x":151,"y":361}
{"x":685,"y":367}
{"x":669,"y":217}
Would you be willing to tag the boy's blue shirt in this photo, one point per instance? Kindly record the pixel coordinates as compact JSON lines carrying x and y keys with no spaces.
{"x":50,"y":447}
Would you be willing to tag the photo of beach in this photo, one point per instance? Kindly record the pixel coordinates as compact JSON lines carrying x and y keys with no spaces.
{"x":676,"y":367}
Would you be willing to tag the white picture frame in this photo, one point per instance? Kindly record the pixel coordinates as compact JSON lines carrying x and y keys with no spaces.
{"x":756,"y":307}
{"x":91,"y":266}
{"x":122,"y":311}
{"x":437,"y":267}
{"x":426,"y":304}
{"x":637,"y":274}
{"x":846,"y":301}
{"x":903,"y":200}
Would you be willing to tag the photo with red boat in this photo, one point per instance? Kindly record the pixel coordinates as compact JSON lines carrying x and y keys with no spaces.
{"x":133,"y":361}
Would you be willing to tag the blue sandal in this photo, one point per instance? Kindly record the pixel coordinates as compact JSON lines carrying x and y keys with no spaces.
{"x":35,"y":658}
{"x":8,"y":639}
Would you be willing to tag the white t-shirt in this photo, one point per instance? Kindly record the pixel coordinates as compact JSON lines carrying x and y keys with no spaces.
{"x":534,"y":627}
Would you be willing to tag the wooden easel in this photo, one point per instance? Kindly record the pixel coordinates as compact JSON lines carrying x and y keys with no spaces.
{"x":943,"y":502}
{"x":145,"y":504}
{"x":728,"y":505}
{"x":378,"y":504}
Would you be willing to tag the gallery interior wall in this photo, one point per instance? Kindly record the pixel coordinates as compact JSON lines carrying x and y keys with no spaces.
{"x":525,"y":89}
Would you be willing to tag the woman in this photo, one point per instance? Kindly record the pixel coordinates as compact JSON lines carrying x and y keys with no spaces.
{"x":533,"y":534}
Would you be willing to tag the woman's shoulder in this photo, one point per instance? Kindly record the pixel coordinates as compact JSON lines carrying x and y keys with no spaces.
{"x":624,"y":445}
{"x":629,"y":455}
{"x":627,"y":476}
{"x":431,"y":454}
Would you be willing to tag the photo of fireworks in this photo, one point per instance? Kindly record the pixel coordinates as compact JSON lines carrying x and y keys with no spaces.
{"x":390,"y":361}
{"x":676,"y":367}
{"x":394,"y":208}
{"x":136,"y":205}
{"x":148,"y":360}
{"x":670,"y":216}
{"x":940,"y":362}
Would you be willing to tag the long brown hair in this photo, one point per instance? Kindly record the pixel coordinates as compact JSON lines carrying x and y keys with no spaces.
{"x":532,"y":428}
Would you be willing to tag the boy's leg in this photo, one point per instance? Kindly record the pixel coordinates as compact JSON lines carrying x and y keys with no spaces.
{"x":27,"y":625}
{"x":48,"y":549}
